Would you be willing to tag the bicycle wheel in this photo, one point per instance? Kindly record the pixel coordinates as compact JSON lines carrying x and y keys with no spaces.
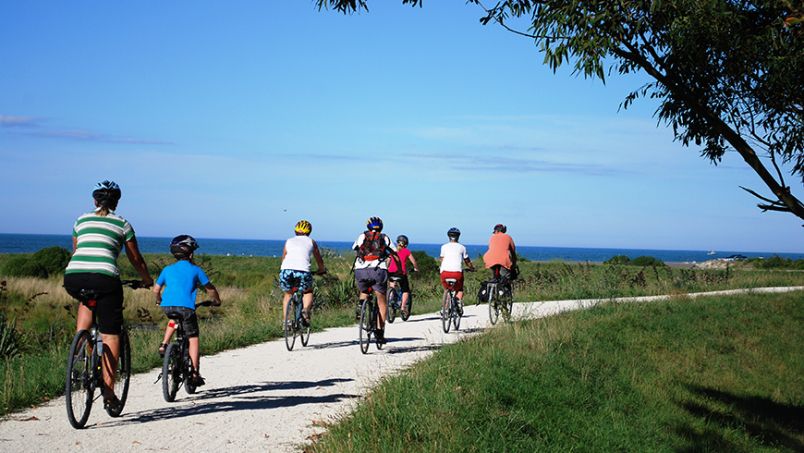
{"x":456,"y":314}
{"x":78,"y":387}
{"x":122,"y":375}
{"x":494,"y":310}
{"x":409,"y":308}
{"x":188,"y":374}
{"x":446,"y":311}
{"x":305,"y":331}
{"x":375,"y":318}
{"x":389,"y":305}
{"x":290,"y":323}
{"x":364,"y":327}
{"x":171,"y":372}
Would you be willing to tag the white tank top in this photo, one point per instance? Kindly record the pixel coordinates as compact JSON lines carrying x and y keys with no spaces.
{"x":299,"y":249}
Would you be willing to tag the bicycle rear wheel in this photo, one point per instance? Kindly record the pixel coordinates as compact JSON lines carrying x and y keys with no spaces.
{"x":446,"y":311}
{"x":78,"y":387}
{"x":456,"y":315}
{"x":389,"y":306}
{"x":290,"y":323}
{"x":364,"y":327}
{"x":494,"y":310}
{"x":122,"y":375}
{"x":171,"y":372}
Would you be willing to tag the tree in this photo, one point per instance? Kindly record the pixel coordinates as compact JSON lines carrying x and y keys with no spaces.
{"x":728,"y":74}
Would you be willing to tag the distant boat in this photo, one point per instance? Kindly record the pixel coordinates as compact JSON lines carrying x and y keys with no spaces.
{"x":711,"y":252}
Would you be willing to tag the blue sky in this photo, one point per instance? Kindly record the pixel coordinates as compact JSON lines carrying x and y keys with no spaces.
{"x":235,"y":120}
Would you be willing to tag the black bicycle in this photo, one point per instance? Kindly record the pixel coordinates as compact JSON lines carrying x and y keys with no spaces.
{"x":177,"y":366}
{"x":369,"y":316}
{"x":85,"y":366}
{"x":395,"y":300}
{"x":501,"y":299}
{"x":451,"y":307}
{"x":295,"y":325}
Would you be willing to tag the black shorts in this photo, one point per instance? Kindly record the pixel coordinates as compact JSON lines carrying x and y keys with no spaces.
{"x":404,"y":284}
{"x":108,"y":302}
{"x":187,"y":318}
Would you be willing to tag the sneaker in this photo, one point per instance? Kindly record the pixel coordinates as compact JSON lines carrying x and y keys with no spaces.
{"x":197,"y":380}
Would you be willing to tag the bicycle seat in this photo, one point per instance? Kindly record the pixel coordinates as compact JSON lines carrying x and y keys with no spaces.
{"x":174,"y":316}
{"x":451,"y":280}
{"x":395,"y":279}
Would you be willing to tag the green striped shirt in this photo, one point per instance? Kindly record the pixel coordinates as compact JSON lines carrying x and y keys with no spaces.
{"x":99,"y":240}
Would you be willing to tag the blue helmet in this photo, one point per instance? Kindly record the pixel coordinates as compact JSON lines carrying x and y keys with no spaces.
{"x":374,"y":224}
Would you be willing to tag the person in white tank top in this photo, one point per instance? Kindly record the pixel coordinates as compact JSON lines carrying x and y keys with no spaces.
{"x":295,"y":268}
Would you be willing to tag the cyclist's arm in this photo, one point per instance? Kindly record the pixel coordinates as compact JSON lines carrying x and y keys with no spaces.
{"x":157,"y":289}
{"x":512,"y":249}
{"x":213,"y":293}
{"x":134,"y":256}
{"x":413,"y":261}
{"x":75,"y":243}
{"x":318,"y":260}
{"x":469,"y":264}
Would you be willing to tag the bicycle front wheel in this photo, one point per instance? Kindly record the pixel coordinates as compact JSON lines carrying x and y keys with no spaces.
{"x":290,"y":323}
{"x":365,"y":327}
{"x":189,"y":386}
{"x":446,"y":311}
{"x":456,"y":314}
{"x":122,"y":375}
{"x":390,"y":303}
{"x":171,"y":372}
{"x":305,"y":330}
{"x":78,"y":387}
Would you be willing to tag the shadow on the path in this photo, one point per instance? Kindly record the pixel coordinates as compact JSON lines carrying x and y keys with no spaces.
{"x":408,"y":349}
{"x":237,"y":390}
{"x":343,"y":344}
{"x":431,"y":318}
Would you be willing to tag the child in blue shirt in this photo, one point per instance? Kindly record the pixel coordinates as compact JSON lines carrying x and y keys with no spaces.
{"x":180,"y":281}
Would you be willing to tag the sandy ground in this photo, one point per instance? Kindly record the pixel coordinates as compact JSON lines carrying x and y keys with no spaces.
{"x":259,"y":398}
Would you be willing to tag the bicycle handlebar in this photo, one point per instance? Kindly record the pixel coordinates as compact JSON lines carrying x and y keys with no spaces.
{"x":206,"y":303}
{"x":133,"y":284}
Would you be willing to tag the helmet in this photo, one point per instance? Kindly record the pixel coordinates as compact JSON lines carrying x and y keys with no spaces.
{"x":374,"y":224}
{"x":454,"y":233}
{"x":107,"y":194}
{"x":182,"y":246}
{"x":500,"y":228}
{"x":402,"y":239}
{"x":303,"y":227}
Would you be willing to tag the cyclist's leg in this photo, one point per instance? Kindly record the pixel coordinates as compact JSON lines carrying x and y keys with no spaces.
{"x":285,"y":284}
{"x":307,"y":299}
{"x":74,"y":283}
{"x":381,"y":289}
{"x":190,"y":324}
{"x":109,"y":315}
{"x":405,"y":288}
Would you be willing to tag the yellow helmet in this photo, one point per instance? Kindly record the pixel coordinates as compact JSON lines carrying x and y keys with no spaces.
{"x":303,"y":227}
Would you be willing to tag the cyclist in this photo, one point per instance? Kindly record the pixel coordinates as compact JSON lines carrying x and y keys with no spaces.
{"x":295,"y":268}
{"x":98,"y":237}
{"x":371,"y":268}
{"x":180,"y":281}
{"x":501,"y":255}
{"x":401,"y":271}
{"x":453,"y":257}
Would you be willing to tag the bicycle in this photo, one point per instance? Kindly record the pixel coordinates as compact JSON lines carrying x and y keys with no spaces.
{"x":451,"y":309}
{"x":85,"y":366}
{"x":369,"y":316}
{"x":500,"y":298}
{"x":395,"y":300}
{"x":294,"y":325}
{"x":177,"y":366}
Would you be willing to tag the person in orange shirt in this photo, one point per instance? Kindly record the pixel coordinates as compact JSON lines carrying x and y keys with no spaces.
{"x":501,"y":255}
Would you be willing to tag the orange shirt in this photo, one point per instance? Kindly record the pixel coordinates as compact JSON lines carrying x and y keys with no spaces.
{"x":500,"y":245}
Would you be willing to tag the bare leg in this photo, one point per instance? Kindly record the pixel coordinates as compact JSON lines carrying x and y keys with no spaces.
{"x":307,"y":302}
{"x":381,"y":302}
{"x":83,"y":320}
{"x":405,"y":297}
{"x":168,"y":332}
{"x":195,"y":353}
{"x":111,"y":353}
{"x":285,"y":300}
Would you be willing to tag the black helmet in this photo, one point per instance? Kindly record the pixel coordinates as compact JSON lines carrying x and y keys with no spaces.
{"x":500,"y":228}
{"x":182,"y":246}
{"x":402,"y":239}
{"x":106,"y":194}
{"x":453,"y":233}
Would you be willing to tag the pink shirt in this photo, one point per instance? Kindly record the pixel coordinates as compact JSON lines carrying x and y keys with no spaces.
{"x":500,"y":245}
{"x":404,"y":253}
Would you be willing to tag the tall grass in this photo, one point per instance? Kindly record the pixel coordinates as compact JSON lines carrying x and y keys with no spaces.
{"x":714,"y":374}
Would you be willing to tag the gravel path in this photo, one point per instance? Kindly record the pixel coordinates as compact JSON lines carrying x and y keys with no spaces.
{"x":260,"y":398}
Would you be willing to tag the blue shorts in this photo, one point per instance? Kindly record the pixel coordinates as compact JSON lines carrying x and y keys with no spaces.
{"x":289,"y":279}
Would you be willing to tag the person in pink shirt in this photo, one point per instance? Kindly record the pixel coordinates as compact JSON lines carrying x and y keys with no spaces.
{"x":400,"y":270}
{"x":501,"y":255}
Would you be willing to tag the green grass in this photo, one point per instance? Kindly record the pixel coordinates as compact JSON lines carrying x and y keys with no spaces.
{"x":43,"y":315}
{"x":724,"y":374}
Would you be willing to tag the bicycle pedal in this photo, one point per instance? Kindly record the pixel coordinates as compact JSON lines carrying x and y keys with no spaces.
{"x":158,"y":378}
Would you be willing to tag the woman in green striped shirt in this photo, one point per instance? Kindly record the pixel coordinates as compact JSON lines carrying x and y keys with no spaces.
{"x":98,"y":237}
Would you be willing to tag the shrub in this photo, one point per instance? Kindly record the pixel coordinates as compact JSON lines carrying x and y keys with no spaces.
{"x":618,"y":259}
{"x":427,"y":265}
{"x":647,"y":261}
{"x":44,"y":263}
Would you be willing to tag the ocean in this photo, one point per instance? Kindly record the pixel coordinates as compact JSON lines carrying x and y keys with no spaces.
{"x":29,"y":243}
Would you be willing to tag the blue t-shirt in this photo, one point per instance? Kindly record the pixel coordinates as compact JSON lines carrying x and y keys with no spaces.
{"x":180,"y":280}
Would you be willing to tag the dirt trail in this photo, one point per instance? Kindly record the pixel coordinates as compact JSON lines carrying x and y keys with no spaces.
{"x":259,"y":398}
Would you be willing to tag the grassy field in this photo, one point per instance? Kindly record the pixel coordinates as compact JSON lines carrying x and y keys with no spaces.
{"x":712,"y":374}
{"x":37,"y":317}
